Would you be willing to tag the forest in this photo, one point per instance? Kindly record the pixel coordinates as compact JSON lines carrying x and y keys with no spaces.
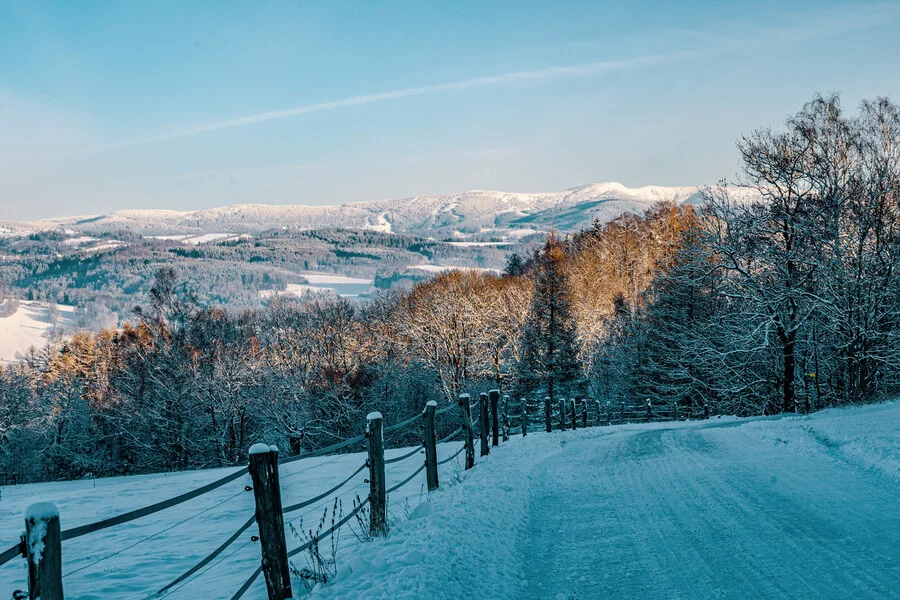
{"x":788,"y":302}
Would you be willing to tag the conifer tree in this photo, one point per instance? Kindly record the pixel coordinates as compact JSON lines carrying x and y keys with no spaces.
{"x":549,"y":363}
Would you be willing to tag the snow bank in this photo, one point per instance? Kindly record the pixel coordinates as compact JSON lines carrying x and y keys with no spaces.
{"x":865,"y":436}
{"x":461,"y":542}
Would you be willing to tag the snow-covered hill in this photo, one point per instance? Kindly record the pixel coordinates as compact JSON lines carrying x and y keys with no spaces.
{"x":461,"y":215}
{"x":31,"y":324}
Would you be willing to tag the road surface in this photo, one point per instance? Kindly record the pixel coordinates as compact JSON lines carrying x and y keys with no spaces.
{"x":686,"y":513}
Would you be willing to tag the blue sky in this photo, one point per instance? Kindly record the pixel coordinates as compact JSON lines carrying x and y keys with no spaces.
{"x":108,"y":105}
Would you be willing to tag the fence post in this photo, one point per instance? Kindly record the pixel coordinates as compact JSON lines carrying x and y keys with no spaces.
{"x":267,"y":493}
{"x":524,"y":410}
{"x":431,"y":466}
{"x":623,"y":411}
{"x":574,"y":414}
{"x":505,"y":418}
{"x":608,"y":414}
{"x":485,"y":420}
{"x":705,"y":410}
{"x":548,"y":415}
{"x":43,"y":550}
{"x":466,"y":409}
{"x":377,"y":493}
{"x":562,"y":414}
{"x":677,"y":415}
{"x":649,"y":410}
{"x":600,"y":412}
{"x":584,"y":413}
{"x":495,"y":417}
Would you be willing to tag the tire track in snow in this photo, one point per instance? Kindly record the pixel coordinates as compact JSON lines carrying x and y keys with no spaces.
{"x":692,"y":512}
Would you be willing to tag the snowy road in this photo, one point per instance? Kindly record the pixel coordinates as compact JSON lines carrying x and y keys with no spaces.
{"x":706,"y":512}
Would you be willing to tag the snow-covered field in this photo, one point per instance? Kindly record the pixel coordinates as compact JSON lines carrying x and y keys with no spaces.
{"x":445,"y":268}
{"x":788,"y":507}
{"x":30,"y":326}
{"x":347,"y":287}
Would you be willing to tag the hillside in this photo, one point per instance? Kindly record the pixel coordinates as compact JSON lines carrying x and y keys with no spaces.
{"x":461,"y":215}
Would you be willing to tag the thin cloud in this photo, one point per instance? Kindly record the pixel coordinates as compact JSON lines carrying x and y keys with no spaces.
{"x":828,"y":23}
{"x":581,"y":70}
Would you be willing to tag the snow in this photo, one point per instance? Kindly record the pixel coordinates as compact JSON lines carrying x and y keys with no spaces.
{"x":865,"y":437}
{"x":196,"y":240}
{"x":373,"y":415}
{"x":38,"y":514}
{"x":30,"y":326}
{"x":648,"y":511}
{"x":41,"y":510}
{"x":446,"y":268}
{"x":184,"y":534}
{"x":445,"y":213}
{"x":77,"y":241}
{"x":725,"y":508}
{"x":110,"y":245}
{"x":323,"y":279}
{"x":431,"y":403}
{"x":479,"y":244}
{"x":259,"y":449}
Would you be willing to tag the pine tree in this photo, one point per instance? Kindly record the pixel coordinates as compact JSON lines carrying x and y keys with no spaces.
{"x":549,"y":363}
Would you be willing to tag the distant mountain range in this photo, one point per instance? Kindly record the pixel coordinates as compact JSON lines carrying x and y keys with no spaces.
{"x":469,"y":215}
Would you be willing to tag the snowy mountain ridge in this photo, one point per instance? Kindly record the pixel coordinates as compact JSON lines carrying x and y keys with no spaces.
{"x":460,"y":215}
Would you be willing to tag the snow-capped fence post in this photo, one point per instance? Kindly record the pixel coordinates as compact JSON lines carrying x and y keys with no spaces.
{"x":43,"y":550}
{"x":548,"y":415}
{"x":466,"y":410}
{"x":431,"y":466}
{"x":377,"y":489}
{"x":584,"y":413}
{"x":562,"y":414}
{"x":677,"y":415}
{"x":600,"y":412}
{"x":523,"y":409}
{"x":649,"y":410}
{"x":505,"y":417}
{"x":495,"y":417}
{"x":705,"y":410}
{"x":485,"y":423}
{"x":574,"y":414}
{"x":270,"y":520}
{"x":623,"y":411}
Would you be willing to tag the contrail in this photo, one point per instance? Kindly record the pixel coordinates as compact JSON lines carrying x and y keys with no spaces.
{"x":581,"y":70}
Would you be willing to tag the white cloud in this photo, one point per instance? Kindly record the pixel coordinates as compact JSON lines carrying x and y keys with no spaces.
{"x":580,"y":70}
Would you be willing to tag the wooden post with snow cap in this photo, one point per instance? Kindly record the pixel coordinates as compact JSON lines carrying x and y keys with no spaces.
{"x":548,"y":415}
{"x":485,"y":422}
{"x":466,"y":409}
{"x":431,"y":466}
{"x":495,"y":417}
{"x":584,"y":413}
{"x":562,"y":414}
{"x":270,"y":520}
{"x":505,"y":418}
{"x":43,"y":550}
{"x":574,"y":414}
{"x":524,"y":410}
{"x":377,"y":487}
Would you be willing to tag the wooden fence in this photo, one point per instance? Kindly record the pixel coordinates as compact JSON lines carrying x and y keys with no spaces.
{"x":41,"y":544}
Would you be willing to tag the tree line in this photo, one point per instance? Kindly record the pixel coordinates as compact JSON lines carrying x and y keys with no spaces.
{"x":777,"y":295}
